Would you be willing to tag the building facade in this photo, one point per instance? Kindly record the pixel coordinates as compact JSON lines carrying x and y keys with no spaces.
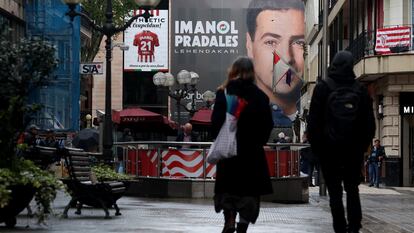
{"x":12,"y":19}
{"x":60,"y":100}
{"x":130,"y":88}
{"x":379,"y":33}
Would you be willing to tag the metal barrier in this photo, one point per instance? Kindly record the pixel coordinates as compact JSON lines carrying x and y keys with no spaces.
{"x":169,"y":159}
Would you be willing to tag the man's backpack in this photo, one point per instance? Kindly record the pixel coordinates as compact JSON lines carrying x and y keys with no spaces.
{"x":342,"y":112}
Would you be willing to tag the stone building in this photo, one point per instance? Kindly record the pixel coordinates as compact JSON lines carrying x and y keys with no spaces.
{"x":380,"y":36}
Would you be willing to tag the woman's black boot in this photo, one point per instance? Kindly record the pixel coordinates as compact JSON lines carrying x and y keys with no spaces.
{"x":242,"y":227}
{"x":229,"y":222}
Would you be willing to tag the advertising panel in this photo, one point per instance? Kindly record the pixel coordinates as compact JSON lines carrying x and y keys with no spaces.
{"x":148,"y":42}
{"x":208,"y":35}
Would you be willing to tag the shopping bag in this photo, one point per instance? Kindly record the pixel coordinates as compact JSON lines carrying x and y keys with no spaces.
{"x":225,"y":145}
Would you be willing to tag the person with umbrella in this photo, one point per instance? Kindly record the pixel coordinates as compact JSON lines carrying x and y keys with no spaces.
{"x":87,"y":139}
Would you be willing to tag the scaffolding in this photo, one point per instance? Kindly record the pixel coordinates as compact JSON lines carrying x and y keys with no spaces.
{"x":46,"y":19}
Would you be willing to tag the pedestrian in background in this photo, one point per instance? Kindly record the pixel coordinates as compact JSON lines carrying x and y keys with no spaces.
{"x":49,"y":140}
{"x":341,"y":126}
{"x":187,"y":135}
{"x":281,"y":138}
{"x":375,"y":159}
{"x":31,"y":137}
{"x":126,"y":137}
{"x":309,"y":161}
{"x":241,"y":180}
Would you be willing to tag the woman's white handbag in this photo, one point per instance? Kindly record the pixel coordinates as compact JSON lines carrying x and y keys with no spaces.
{"x":225,"y":145}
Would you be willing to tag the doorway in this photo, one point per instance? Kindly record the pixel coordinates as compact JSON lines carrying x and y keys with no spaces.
{"x":408,"y":150}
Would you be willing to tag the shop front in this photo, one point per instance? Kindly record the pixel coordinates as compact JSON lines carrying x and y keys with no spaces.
{"x":407,"y":137}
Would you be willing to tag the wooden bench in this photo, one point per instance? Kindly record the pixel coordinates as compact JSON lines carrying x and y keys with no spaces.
{"x":87,"y":191}
{"x":42,"y":156}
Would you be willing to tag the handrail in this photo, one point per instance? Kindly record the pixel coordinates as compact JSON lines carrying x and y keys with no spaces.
{"x":169,"y":143}
{"x":166,"y":159}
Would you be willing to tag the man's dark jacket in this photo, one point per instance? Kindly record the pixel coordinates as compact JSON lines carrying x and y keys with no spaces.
{"x":180,"y":137}
{"x":341,"y":71}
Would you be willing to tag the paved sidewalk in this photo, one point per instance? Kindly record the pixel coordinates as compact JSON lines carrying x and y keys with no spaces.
{"x":386,"y":210}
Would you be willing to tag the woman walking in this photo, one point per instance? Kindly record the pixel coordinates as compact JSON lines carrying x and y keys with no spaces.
{"x":241,"y":180}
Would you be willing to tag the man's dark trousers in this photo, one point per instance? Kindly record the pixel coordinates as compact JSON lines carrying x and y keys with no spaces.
{"x":346,"y":168}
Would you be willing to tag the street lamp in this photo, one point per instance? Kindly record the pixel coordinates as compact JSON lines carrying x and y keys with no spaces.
{"x":109,"y":29}
{"x":88,"y":119}
{"x":187,"y":80}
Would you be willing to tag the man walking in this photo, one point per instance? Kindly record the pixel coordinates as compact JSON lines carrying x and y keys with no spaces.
{"x":374,"y":162}
{"x":341,"y":127}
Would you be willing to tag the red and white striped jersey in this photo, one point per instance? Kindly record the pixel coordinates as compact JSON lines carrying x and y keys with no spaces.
{"x":155,"y":12}
{"x":146,"y":42}
{"x":392,"y":37}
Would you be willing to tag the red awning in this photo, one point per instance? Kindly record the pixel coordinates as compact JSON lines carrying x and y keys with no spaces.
{"x":133,"y":115}
{"x":202,"y":117}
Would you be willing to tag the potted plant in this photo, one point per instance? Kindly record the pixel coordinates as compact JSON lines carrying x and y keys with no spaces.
{"x":24,"y":66}
{"x":104,"y":172}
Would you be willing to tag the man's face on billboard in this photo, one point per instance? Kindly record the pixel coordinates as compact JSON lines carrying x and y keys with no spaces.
{"x":281,"y":31}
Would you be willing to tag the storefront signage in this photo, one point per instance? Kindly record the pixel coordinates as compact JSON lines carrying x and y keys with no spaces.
{"x":91,"y":68}
{"x":406,"y":104}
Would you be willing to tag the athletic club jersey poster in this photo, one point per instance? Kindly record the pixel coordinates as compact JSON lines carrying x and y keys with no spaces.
{"x":148,"y":43}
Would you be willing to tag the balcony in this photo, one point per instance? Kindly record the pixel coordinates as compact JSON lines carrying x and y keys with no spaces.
{"x":390,"y":52}
{"x":332,"y":3}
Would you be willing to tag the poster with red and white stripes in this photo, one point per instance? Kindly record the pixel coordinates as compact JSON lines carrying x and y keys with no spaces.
{"x":185,"y":163}
{"x":147,"y":42}
{"x":393,"y":39}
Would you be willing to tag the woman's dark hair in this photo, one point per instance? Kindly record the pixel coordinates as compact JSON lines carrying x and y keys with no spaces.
{"x":242,"y":68}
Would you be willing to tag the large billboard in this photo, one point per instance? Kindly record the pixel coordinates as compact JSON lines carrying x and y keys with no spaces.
{"x":208,"y":35}
{"x":148,"y":42}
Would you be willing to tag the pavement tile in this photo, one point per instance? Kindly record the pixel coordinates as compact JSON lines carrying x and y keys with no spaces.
{"x":386,"y":210}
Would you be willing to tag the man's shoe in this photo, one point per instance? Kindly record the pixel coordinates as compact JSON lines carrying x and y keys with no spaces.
{"x":370,"y":185}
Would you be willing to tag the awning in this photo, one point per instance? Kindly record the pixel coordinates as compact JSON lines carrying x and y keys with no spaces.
{"x":135,"y":115}
{"x":202,"y":117}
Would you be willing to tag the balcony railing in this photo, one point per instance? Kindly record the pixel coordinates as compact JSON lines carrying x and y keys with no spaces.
{"x":364,"y":45}
{"x":332,"y":4}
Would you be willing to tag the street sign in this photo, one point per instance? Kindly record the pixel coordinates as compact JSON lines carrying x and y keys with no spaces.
{"x":91,"y":68}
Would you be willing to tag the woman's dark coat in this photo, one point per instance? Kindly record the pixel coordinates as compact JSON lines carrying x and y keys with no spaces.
{"x":247,"y":173}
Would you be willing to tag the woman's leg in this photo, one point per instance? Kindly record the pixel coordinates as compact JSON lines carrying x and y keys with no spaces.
{"x":229,"y":221}
{"x":242,"y":225}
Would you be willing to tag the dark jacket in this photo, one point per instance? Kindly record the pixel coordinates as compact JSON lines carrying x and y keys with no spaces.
{"x":49,"y":142}
{"x":376,"y":155}
{"x":247,"y":173}
{"x":341,"y":71}
{"x":180,"y":137}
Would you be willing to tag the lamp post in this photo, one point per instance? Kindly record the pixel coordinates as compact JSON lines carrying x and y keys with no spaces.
{"x":88,"y":119}
{"x":109,"y":29}
{"x":187,"y":82}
